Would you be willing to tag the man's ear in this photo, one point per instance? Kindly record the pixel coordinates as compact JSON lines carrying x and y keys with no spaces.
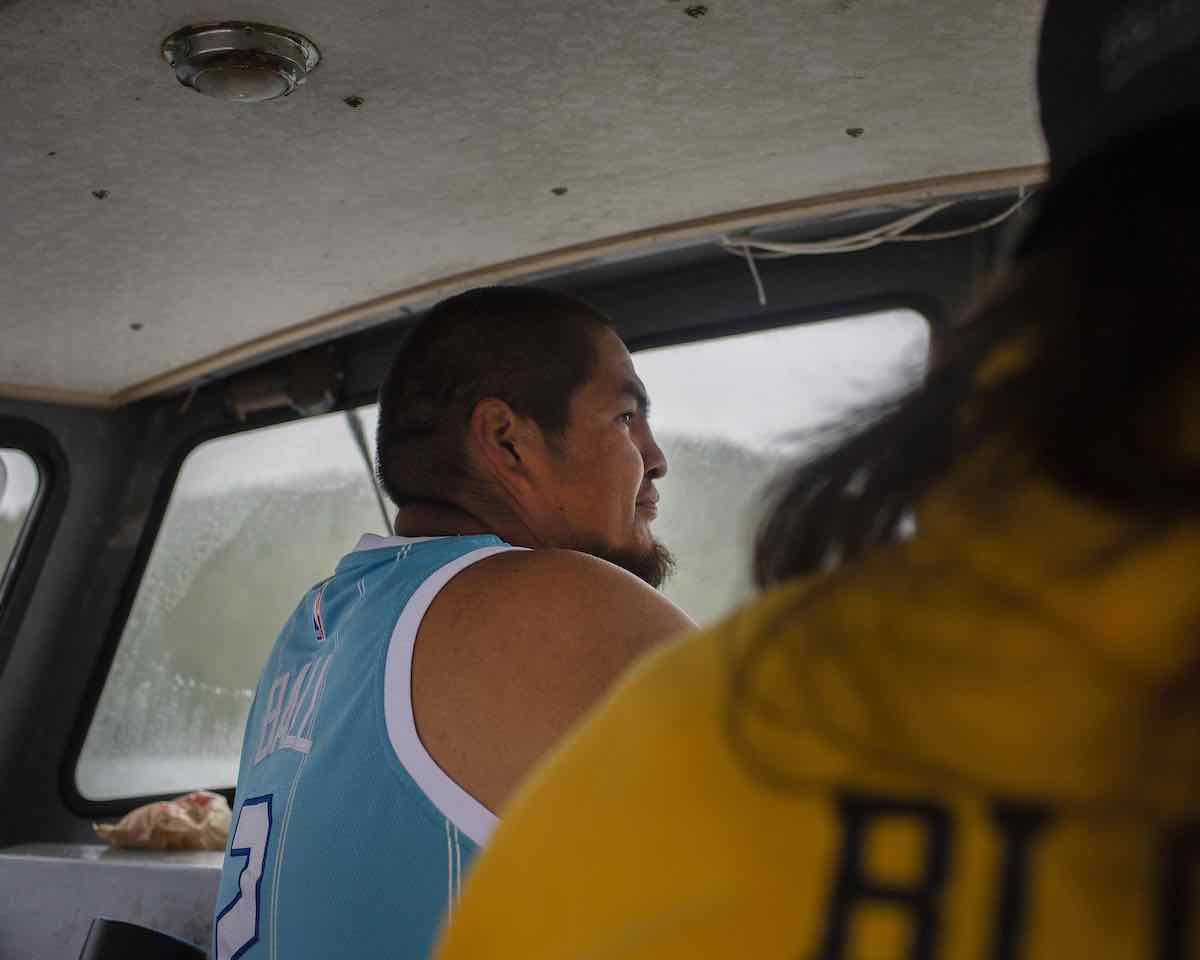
{"x":503,"y":440}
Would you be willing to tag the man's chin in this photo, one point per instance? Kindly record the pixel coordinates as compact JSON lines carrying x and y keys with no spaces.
{"x":653,"y":563}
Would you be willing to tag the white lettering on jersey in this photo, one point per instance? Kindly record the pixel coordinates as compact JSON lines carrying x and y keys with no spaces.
{"x":280,"y":729}
{"x":302,"y":739}
{"x":289,"y":714}
{"x":266,"y":739}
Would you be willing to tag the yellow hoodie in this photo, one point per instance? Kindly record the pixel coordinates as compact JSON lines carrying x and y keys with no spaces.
{"x":982,"y":744}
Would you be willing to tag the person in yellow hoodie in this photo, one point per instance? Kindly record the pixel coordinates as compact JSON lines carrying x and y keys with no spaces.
{"x":982,"y":742}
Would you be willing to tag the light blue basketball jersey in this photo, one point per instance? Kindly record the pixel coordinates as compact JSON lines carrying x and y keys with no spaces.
{"x":347,"y":839}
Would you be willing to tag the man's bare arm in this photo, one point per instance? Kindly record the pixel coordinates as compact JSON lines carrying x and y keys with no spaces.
{"x":515,"y":648}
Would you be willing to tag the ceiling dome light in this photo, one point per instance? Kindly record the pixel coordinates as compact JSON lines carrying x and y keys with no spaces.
{"x":244,"y":62}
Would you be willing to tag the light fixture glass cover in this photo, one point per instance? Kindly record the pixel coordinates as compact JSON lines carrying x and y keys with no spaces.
{"x":243,"y":62}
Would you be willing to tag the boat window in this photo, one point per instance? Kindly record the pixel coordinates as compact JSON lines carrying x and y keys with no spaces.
{"x":732,"y":413}
{"x":19,"y":485}
{"x":253,"y":521}
{"x":258,"y":517}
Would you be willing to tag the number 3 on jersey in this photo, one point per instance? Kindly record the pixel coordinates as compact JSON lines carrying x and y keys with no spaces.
{"x":238,"y":923}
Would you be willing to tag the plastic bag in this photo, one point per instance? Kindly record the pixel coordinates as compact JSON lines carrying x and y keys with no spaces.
{"x":197,"y":821}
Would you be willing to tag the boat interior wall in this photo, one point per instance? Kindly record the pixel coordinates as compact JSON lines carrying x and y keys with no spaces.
{"x":108,"y":473}
{"x":148,"y":228}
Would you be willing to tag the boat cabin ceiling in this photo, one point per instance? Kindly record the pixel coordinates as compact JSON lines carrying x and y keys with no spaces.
{"x":155,"y":237}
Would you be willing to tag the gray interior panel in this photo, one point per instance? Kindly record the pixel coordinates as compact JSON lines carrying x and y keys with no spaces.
{"x":50,"y":892}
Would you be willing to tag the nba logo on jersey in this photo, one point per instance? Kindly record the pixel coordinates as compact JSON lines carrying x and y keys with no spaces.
{"x":317,"y":617}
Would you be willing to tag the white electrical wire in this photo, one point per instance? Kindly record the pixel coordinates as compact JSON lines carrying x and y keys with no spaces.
{"x":896,"y":231}
{"x":963,"y":231}
{"x":752,"y":250}
{"x":858,"y":241}
{"x":758,"y":284}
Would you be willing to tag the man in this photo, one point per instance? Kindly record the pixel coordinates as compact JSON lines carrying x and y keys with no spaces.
{"x":411,"y":691}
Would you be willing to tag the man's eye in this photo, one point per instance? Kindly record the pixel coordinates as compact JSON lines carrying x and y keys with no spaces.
{"x":627,"y":418}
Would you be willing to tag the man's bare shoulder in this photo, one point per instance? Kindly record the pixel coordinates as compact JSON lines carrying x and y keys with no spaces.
{"x":515,"y":648}
{"x":532,"y":586}
{"x":561,"y":566}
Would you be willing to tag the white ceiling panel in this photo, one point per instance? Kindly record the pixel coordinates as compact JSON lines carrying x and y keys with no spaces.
{"x":219,"y":222}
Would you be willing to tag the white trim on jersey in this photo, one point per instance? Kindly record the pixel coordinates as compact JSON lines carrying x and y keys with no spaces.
{"x":458,"y":806}
{"x":373,"y":541}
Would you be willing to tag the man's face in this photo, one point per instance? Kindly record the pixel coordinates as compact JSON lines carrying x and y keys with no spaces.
{"x":601,"y":485}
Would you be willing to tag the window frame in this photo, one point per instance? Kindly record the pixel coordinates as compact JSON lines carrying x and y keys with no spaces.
{"x":74,"y":800}
{"x":928,"y":308}
{"x":19,"y":576}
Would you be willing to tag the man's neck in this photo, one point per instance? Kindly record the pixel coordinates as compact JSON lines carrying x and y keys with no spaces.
{"x":430,"y":519}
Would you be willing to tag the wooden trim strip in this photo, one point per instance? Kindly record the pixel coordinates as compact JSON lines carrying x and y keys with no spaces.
{"x":626,"y":243}
{"x":67,"y":398}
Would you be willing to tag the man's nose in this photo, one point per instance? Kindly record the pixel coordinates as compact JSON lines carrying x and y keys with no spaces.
{"x":653,"y":457}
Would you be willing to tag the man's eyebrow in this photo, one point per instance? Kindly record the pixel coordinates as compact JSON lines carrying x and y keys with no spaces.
{"x":635,"y":389}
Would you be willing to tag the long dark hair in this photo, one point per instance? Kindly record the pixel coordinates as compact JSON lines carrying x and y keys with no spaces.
{"x":1106,"y":309}
{"x":1082,"y":360}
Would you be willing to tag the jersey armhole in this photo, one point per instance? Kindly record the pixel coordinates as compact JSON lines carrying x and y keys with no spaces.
{"x":452,"y":801}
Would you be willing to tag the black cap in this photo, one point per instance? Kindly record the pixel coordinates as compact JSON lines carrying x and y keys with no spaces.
{"x":1109,"y":70}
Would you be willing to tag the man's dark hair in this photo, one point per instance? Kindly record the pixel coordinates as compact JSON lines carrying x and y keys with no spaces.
{"x":529,"y":347}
